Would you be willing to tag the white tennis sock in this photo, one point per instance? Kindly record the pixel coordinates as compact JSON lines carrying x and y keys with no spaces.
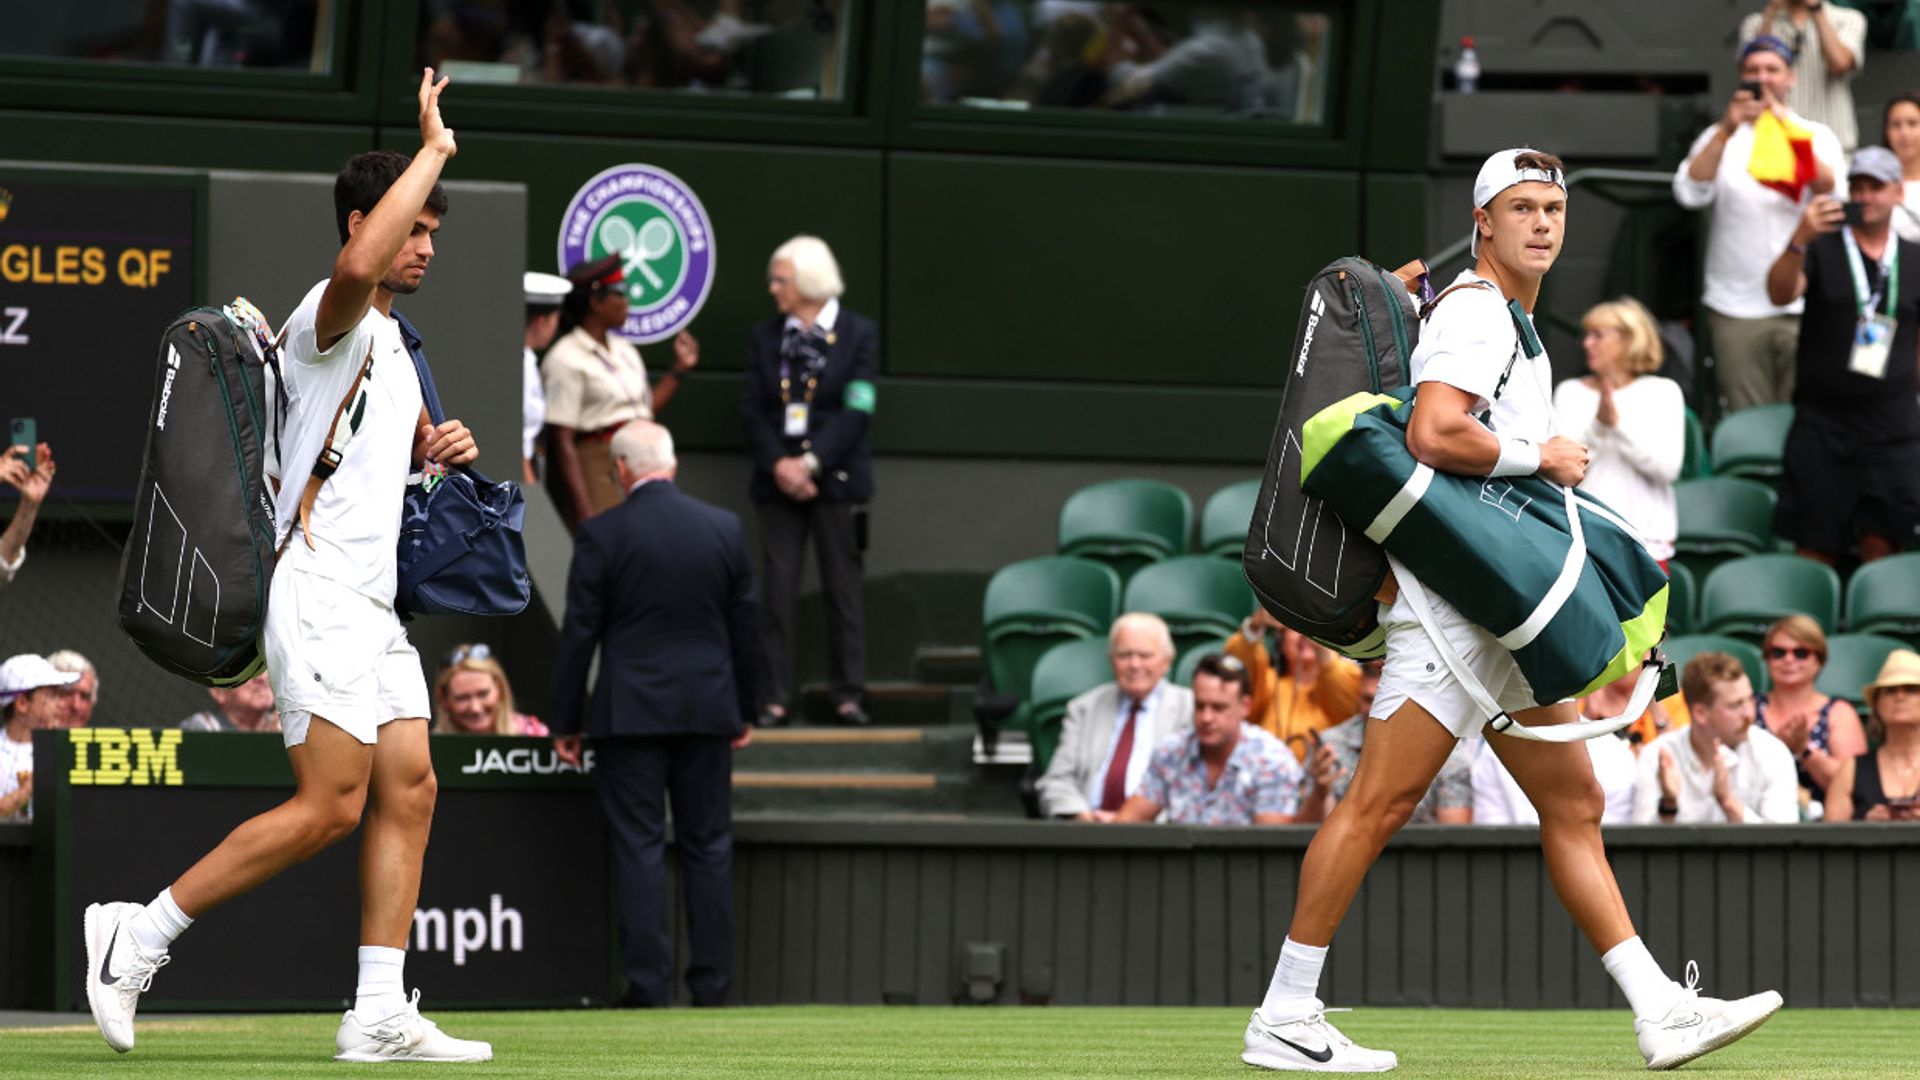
{"x":382,"y":991}
{"x":1649,"y":992}
{"x":155,"y":926}
{"x":1296,"y":982}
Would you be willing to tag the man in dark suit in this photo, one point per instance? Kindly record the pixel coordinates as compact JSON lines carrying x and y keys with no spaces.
{"x":661,"y":584}
{"x":806,"y":405}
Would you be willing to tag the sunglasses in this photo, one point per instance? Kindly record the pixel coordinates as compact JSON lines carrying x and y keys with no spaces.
{"x":1905,"y":688}
{"x":463,"y":653}
{"x":1798,"y":652}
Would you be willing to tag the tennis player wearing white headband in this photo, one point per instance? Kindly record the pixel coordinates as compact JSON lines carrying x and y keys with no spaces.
{"x":1469,"y":362}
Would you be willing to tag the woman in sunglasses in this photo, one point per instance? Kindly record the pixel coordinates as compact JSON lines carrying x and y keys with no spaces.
{"x":1823,"y":732}
{"x":1885,"y":785}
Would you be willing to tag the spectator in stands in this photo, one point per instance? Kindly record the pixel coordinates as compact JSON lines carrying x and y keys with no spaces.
{"x":472,"y":696}
{"x":246,"y":707}
{"x":1632,"y":421}
{"x":1753,"y":333}
{"x":1448,"y":801}
{"x":32,"y":484}
{"x":1719,"y":768}
{"x":595,"y":383}
{"x":79,"y":699}
{"x":1221,"y":65}
{"x":1223,"y":771}
{"x":1302,"y":690}
{"x":1821,"y":731}
{"x":1829,"y":47}
{"x":545,"y":293}
{"x":1883,"y":784}
{"x":1852,"y":457}
{"x":1110,"y":731}
{"x":29,"y":700}
{"x":1900,"y":130}
{"x":807,"y":405}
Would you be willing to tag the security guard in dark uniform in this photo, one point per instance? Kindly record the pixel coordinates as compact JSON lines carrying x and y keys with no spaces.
{"x":807,"y":406}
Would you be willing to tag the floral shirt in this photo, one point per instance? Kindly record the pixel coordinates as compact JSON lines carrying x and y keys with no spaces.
{"x":1261,"y":777}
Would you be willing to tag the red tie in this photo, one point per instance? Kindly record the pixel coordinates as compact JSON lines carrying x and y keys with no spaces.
{"x":1114,"y":791}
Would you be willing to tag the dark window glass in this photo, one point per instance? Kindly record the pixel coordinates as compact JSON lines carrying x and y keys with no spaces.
{"x":774,"y":48}
{"x":230,"y":34}
{"x":1240,"y":59}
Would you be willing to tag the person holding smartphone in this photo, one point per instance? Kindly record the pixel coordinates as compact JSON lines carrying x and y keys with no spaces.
{"x":29,"y":470}
{"x":1883,"y":784}
{"x":1753,"y":335}
{"x":1851,"y":484}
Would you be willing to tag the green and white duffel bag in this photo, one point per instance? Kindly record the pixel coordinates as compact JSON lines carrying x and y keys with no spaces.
{"x":1559,"y":579}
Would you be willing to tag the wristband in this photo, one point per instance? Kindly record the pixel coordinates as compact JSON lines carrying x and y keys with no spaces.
{"x":1668,"y":808}
{"x":1518,"y":457}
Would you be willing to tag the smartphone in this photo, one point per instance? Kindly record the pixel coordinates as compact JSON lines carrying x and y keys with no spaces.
{"x":26,"y":433}
{"x":1753,"y":87}
{"x":1853,"y":213}
{"x":1904,"y":802}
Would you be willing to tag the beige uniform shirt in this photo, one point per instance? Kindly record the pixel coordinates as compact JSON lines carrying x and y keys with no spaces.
{"x":592,"y":386}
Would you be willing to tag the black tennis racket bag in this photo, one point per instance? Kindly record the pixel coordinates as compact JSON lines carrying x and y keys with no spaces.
{"x":1310,"y":569}
{"x":194,"y":575}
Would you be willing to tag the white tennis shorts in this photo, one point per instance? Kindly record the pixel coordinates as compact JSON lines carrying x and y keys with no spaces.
{"x":339,"y":655}
{"x":1415,"y":671}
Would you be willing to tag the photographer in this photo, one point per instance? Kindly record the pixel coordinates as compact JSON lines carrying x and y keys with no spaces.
{"x":32,"y":483}
{"x":1853,"y":454}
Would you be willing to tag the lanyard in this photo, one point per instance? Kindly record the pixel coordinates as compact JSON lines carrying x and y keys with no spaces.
{"x":814,"y":363}
{"x":1889,"y":274}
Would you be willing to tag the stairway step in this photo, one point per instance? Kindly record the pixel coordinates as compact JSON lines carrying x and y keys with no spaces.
{"x":948,"y":665}
{"x":895,"y":704}
{"x":945,"y":750}
{"x":837,"y":781}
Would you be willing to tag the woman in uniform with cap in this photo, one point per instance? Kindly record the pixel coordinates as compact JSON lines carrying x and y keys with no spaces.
{"x":596,"y":383}
{"x":1883,"y":784}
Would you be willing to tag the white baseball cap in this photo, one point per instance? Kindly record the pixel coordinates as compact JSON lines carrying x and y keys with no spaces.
{"x":29,"y":672}
{"x":1498,"y":173}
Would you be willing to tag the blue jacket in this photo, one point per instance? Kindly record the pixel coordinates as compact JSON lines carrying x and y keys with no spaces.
{"x":836,"y":434}
{"x":661,"y":584}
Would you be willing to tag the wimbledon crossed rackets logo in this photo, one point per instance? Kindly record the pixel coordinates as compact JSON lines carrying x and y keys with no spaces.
{"x":654,"y":223}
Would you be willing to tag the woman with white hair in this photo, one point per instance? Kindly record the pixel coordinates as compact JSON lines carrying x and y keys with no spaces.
{"x":807,"y":406}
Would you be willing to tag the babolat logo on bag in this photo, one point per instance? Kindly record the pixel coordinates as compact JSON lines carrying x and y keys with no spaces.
{"x":193,"y":576}
{"x":1318,"y":307}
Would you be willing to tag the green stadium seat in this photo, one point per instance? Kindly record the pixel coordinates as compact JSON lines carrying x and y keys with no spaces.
{"x":1064,"y":672}
{"x":1722,"y":518}
{"x":1225,"y":518}
{"x":1126,"y":523}
{"x":1202,"y":598}
{"x":1697,"y":464}
{"x":1033,"y":605}
{"x":1682,"y":598}
{"x":1747,"y":595}
{"x":1853,"y":661}
{"x":1750,"y":442}
{"x":1183,"y":668}
{"x":1682,"y":649}
{"x":1883,"y":597}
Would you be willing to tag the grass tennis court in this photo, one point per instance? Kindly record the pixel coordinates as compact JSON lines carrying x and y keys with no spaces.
{"x":806,"y":1041}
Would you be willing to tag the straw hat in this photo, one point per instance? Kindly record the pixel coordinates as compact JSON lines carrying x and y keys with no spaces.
{"x":1901,"y":669}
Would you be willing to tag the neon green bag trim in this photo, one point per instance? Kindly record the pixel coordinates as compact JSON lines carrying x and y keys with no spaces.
{"x":1330,"y":424}
{"x":1643,"y":631}
{"x":860,"y":396}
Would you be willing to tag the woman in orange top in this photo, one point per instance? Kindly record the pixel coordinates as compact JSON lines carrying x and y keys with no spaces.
{"x":1310,"y":689}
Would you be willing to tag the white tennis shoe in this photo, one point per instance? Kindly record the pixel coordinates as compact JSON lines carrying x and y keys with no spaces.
{"x":1310,"y":1044}
{"x":404,"y":1036}
{"x":117,"y":971}
{"x":1700,"y":1025}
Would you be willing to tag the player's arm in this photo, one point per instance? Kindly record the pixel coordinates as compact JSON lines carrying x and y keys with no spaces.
{"x":1444,"y":435}
{"x":377,"y":237}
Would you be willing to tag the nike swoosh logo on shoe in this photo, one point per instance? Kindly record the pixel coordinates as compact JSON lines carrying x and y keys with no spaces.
{"x":1322,"y":1055}
{"x":1691,"y":1020}
{"x":106,"y":962}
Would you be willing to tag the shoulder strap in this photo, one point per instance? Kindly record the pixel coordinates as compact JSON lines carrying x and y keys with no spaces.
{"x":1426,"y":309}
{"x":428,"y":393}
{"x":346,"y":420}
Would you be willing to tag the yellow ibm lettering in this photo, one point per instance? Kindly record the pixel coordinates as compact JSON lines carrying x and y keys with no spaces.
{"x":114,"y":768}
{"x":81,"y":738}
{"x":156,"y":759}
{"x":139,"y":757}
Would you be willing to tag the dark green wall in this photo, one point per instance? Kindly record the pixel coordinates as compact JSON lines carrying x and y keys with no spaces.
{"x":1022,"y":266}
